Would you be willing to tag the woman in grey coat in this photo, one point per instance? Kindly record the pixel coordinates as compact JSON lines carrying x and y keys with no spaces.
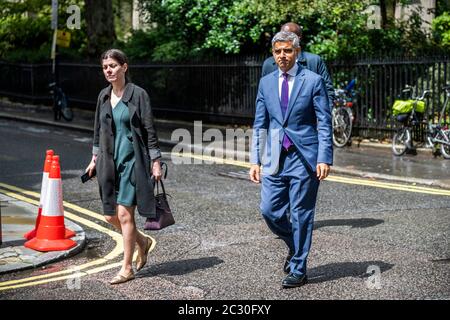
{"x":125,"y":157}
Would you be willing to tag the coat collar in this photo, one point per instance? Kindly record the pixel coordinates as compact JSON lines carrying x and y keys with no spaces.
{"x":127,"y":94}
{"x":301,"y":59}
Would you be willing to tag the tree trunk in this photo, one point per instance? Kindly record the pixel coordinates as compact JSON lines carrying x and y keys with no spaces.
{"x":383,"y":14}
{"x":387,"y":10}
{"x":99,"y":26}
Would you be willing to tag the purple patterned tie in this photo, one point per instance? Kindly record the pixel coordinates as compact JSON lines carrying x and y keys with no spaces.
{"x":284,"y":104}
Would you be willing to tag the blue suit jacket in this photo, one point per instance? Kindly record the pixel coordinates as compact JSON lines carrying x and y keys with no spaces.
{"x":307,"y":122}
{"x":309,"y":61}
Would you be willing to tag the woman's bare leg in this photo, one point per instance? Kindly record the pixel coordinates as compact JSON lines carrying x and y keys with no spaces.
{"x":140,"y":239}
{"x":128,"y":226}
{"x":114,"y":220}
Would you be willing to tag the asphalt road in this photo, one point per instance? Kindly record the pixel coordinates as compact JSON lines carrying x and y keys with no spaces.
{"x":220,"y":248}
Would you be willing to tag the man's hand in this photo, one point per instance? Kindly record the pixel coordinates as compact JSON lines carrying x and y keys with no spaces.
{"x":323,"y":170}
{"x":254,"y":173}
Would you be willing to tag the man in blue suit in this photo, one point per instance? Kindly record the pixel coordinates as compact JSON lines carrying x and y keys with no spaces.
{"x":307,"y":60}
{"x":292,"y":142}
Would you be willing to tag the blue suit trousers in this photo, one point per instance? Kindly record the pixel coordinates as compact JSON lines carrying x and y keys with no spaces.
{"x":292,"y":190}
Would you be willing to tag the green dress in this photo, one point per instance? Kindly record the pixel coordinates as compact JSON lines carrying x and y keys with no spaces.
{"x":124,"y":156}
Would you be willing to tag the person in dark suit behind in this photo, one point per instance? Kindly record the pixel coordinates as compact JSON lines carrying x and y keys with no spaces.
{"x":292,"y":141}
{"x":307,"y":60}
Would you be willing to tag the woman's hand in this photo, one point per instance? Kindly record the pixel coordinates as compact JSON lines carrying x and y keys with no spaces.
{"x":156,"y":170}
{"x":91,"y":167}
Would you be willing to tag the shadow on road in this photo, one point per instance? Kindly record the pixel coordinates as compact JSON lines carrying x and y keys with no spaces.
{"x":180,"y":267}
{"x":354,"y":223}
{"x":334,"y":271}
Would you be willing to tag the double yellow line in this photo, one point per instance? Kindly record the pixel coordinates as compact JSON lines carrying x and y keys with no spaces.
{"x":85,"y":269}
{"x":347,"y":180}
{"x":73,"y":272}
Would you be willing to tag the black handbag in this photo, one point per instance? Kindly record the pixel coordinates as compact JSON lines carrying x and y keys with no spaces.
{"x":164,"y":216}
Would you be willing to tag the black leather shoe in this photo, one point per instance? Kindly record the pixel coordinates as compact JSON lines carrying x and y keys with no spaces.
{"x":286,"y":267}
{"x":292,"y":281}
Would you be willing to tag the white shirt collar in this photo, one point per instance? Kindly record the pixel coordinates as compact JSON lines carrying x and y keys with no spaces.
{"x":292,"y":71}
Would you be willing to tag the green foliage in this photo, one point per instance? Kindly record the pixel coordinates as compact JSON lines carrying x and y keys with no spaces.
{"x":441,"y":30}
{"x":246,"y":26}
{"x":22,"y":33}
{"x":25,"y":30}
{"x":334,"y":29}
{"x":183,"y":29}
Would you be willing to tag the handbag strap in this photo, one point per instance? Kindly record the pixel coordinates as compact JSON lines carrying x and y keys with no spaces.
{"x":163,"y":164}
{"x":162,"y":186}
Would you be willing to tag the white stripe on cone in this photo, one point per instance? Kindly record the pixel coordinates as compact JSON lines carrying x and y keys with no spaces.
{"x":53,"y":204}
{"x":44,"y":186}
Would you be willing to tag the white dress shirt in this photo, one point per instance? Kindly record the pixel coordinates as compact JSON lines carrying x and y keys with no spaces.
{"x":114,"y":99}
{"x":291,"y":78}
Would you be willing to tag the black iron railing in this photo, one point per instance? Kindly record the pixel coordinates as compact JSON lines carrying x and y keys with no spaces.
{"x":224,"y":90}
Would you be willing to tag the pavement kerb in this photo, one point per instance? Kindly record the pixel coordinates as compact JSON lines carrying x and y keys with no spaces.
{"x":392,"y":178}
{"x":335,"y":169}
{"x":52,"y":256}
{"x":47,"y":257}
{"x":170,"y":143}
{"x":46,"y":122}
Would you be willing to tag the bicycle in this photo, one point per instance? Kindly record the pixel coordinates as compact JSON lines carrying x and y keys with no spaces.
{"x":60,"y":104}
{"x":409,"y":117}
{"x":436,"y":134}
{"x":402,"y":139}
{"x":342,"y":115}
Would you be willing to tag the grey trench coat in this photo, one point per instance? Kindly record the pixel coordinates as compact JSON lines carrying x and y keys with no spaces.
{"x":145,"y":144}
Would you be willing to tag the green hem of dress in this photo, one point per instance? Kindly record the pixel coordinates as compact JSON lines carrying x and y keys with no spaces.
{"x":126,"y":204}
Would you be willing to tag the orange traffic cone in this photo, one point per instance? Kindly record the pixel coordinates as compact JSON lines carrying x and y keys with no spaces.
{"x":50,"y":235}
{"x":47,"y":164}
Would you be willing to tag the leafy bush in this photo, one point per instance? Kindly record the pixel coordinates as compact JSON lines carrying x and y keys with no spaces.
{"x":26,"y":34}
{"x":441,"y":30}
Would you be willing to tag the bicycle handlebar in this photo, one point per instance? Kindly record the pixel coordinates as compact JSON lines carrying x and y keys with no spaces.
{"x":425,"y":92}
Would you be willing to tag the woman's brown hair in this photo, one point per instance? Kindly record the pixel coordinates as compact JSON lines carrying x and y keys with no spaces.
{"x":120,"y":57}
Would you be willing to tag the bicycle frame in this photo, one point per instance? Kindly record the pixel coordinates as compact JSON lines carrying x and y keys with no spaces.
{"x":403,"y":136}
{"x":342,"y":117}
{"x":444,"y":107}
{"x":60,"y":105}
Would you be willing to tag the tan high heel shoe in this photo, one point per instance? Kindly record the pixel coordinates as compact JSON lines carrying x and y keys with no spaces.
{"x":141,"y":261}
{"x":122,"y":278}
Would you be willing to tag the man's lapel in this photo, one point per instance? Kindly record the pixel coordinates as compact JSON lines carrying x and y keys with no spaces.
{"x":298,"y":83}
{"x":275,"y":98}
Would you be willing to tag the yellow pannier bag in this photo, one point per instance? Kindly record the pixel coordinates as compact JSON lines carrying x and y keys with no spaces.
{"x":406,"y":106}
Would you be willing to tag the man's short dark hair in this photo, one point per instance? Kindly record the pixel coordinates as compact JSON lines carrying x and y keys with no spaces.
{"x":293,"y":27}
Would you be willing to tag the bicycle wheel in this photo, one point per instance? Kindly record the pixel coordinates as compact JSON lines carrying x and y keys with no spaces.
{"x":401,"y":141}
{"x":66,"y":111}
{"x":445,"y":148}
{"x":342,"y":127}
